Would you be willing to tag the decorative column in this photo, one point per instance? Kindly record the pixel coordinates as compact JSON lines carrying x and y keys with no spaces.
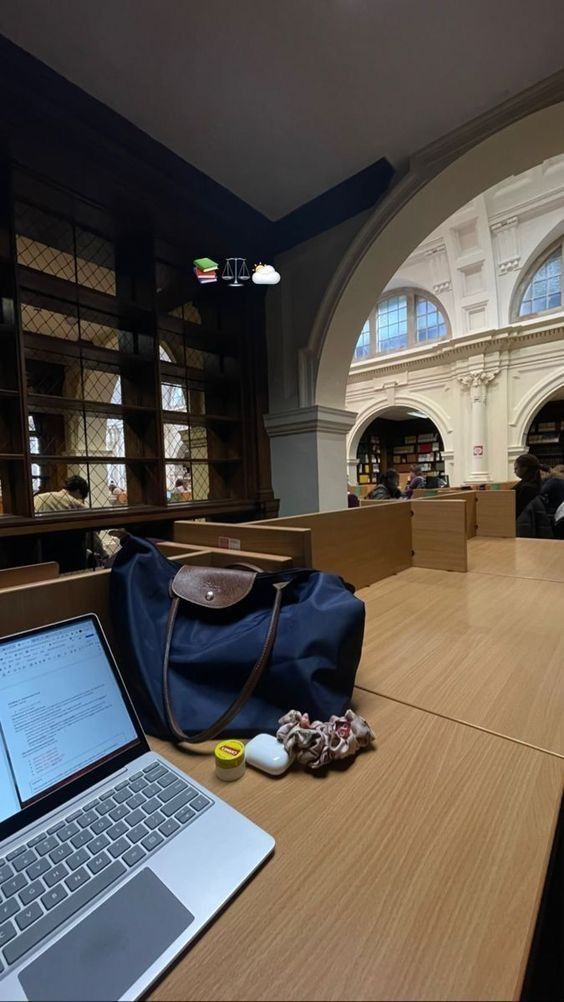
{"x":477,"y":382}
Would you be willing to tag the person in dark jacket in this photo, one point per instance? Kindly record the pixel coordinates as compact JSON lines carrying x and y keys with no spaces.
{"x":353,"y":500}
{"x":416,"y":481}
{"x":388,"y":487}
{"x":541,"y":518}
{"x":527,"y":468}
{"x":553,"y":491}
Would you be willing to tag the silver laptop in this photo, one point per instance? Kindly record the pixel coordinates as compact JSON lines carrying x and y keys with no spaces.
{"x":111,"y":860}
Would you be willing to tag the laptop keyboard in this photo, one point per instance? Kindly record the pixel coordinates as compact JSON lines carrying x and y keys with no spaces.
{"x":50,"y":878}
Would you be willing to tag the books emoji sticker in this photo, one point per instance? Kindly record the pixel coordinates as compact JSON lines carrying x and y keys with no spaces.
{"x":205,"y":270}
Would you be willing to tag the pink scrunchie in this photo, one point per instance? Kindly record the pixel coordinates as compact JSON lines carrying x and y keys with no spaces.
{"x":316,"y":744}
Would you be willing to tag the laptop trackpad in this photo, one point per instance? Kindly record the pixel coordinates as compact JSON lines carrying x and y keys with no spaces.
{"x":108,"y":950}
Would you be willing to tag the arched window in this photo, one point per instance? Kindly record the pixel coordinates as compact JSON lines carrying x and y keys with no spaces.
{"x":401,"y":319}
{"x":541,"y":290}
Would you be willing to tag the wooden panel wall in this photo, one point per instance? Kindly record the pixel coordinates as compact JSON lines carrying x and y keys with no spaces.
{"x":439,"y":534}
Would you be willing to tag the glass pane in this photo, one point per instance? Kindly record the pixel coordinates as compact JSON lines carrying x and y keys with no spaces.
{"x":430,"y":323}
{"x":544,"y":291}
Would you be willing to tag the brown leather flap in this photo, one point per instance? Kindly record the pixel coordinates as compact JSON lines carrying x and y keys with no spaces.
{"x":214,"y":587}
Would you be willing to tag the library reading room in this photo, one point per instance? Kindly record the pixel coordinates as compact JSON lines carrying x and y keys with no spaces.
{"x":281,"y":501}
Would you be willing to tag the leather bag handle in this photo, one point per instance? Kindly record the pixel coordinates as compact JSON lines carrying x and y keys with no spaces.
{"x":246,"y":692}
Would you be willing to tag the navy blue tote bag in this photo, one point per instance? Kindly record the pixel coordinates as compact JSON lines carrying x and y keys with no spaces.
{"x":208,"y":650}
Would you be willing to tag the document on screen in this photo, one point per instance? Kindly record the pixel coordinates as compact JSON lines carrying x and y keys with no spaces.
{"x":61,"y":710}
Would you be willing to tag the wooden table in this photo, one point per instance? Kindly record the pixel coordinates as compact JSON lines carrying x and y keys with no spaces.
{"x":524,"y":558}
{"x":414,"y":874}
{"x":483,"y":649}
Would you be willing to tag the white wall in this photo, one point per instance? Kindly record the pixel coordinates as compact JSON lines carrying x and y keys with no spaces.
{"x":526,"y":366}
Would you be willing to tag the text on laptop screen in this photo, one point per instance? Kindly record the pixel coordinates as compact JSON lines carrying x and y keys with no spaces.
{"x":61,"y":712}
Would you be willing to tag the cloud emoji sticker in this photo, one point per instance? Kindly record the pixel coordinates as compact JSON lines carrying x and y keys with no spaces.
{"x":265,"y":274}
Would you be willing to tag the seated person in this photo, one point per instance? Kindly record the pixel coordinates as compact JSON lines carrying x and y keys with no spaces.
{"x":388,"y":487}
{"x":528,"y":469}
{"x":543,"y":517}
{"x":181,"y":490}
{"x":415,"y":482}
{"x":72,"y":496}
{"x":73,"y":551}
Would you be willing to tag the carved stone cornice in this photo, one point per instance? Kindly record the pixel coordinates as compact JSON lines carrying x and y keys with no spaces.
{"x":309,"y":419}
{"x":507,"y":339}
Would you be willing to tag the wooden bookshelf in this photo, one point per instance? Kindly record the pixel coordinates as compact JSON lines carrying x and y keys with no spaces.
{"x":390,"y":444}
{"x":545,"y":438}
{"x":115,"y":365}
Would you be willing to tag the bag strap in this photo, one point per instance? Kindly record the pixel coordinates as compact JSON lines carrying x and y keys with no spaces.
{"x":246,"y":692}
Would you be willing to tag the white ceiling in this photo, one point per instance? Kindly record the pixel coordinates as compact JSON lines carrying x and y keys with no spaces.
{"x":281,"y":101}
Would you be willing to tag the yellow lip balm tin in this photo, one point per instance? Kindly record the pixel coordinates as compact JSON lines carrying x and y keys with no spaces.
{"x":229,"y":760}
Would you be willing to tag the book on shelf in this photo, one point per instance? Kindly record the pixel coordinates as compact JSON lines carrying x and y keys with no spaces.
{"x":431,"y":437}
{"x":410,"y":439}
{"x":548,"y":426}
{"x":543,"y":439}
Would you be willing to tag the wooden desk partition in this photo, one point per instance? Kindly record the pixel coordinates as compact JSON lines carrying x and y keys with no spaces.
{"x":452,"y":494}
{"x":216,"y":557}
{"x":257,"y":537}
{"x":27,"y":606}
{"x":439,"y":534}
{"x":363,"y":545}
{"x":495,"y":513}
{"x":469,"y":498}
{"x":10,"y":577}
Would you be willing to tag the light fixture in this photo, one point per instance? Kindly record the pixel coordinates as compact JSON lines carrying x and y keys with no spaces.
{"x":416,"y":414}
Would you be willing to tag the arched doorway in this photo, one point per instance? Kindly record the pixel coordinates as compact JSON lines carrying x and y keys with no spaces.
{"x":398,"y":437}
{"x":545,"y":434}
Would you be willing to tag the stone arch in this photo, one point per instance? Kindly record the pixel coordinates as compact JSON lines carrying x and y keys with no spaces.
{"x":439,"y":182}
{"x":529,"y":405}
{"x":416,"y":401}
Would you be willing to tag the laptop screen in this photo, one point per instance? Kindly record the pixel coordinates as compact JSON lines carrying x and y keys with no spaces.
{"x":62,"y":712}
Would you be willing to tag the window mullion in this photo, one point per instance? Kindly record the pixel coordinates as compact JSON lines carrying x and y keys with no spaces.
{"x":411,"y":340}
